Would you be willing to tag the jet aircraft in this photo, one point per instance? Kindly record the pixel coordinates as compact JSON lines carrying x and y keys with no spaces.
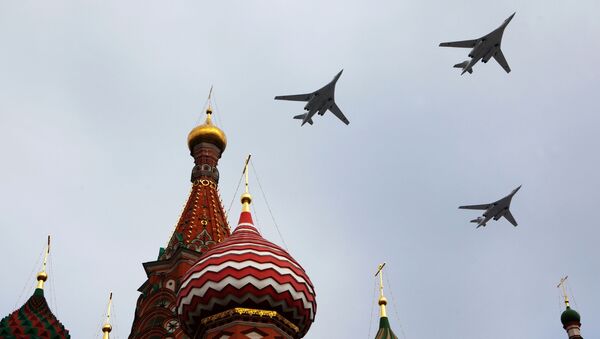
{"x":318,"y":102}
{"x":494,"y":210}
{"x":483,"y":49}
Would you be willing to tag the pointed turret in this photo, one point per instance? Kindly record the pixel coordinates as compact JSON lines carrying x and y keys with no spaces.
{"x":202,"y":225}
{"x":34,"y":319}
{"x":570,"y":319}
{"x":246,"y":287}
{"x":385,"y":331}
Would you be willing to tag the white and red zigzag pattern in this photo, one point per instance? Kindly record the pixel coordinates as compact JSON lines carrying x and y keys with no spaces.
{"x":246,"y":271}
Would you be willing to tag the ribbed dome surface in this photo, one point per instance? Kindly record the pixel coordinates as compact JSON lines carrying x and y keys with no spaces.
{"x":246,"y":271}
{"x":33,"y":320}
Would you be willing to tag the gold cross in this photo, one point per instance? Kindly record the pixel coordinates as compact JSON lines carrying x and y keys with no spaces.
{"x":562,"y":286}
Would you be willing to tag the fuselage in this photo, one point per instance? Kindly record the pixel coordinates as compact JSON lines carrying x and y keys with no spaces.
{"x":321,"y":100}
{"x":494,"y":210}
{"x":487,"y":46}
{"x":497,"y":209}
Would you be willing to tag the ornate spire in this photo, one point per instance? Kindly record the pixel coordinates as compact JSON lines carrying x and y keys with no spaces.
{"x":246,"y":197}
{"x":382,"y":299}
{"x":202,"y":225}
{"x":43,"y":276}
{"x":385,"y":331}
{"x":570,"y":319}
{"x":106,"y":328}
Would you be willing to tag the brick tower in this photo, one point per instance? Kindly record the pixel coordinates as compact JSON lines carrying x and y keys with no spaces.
{"x":202,"y":225}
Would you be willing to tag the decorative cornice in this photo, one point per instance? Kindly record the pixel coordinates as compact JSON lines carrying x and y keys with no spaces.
{"x":249,"y":312}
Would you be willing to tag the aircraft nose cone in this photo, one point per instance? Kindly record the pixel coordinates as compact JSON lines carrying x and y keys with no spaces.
{"x":517,"y":189}
{"x":339,"y":75}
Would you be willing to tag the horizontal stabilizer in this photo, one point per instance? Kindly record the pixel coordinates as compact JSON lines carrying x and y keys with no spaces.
{"x":302,"y":116}
{"x":461,"y":65}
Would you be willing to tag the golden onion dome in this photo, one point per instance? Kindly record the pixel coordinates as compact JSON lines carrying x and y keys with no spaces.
{"x":42,"y":276}
{"x":106,"y":328}
{"x":207,"y":132}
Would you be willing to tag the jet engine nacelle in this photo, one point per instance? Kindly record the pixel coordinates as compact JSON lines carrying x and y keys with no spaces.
{"x":472,"y":52}
{"x":323,"y":110}
{"x":488,"y":55}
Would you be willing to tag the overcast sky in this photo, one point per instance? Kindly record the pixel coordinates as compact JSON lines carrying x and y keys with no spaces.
{"x":97,"y":99}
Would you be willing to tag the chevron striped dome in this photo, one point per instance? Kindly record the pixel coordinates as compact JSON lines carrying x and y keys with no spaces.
{"x":246,"y":271}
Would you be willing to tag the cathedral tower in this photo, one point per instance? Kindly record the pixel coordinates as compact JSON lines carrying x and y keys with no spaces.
{"x":202,"y":225}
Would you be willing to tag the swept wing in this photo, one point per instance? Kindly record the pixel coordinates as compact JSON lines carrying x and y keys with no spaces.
{"x":510,"y":218}
{"x":460,"y":44}
{"x":475,"y":207}
{"x":499,"y":56}
{"x":297,"y":97}
{"x":338,"y":113}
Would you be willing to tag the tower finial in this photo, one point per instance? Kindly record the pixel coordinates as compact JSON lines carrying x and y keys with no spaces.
{"x":106,"y":328}
{"x":207,"y":132}
{"x":209,"y":108}
{"x":562,"y":286}
{"x":246,"y":197}
{"x":382,"y":299}
{"x":43,"y":276}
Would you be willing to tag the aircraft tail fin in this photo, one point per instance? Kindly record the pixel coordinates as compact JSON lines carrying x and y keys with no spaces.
{"x":464,"y":64}
{"x":302,"y":116}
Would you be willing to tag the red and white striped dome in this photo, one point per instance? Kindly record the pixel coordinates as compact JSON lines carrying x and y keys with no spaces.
{"x":246,"y":271}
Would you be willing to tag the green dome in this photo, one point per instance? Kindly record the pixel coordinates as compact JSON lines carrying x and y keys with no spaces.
{"x":385,"y":331}
{"x":569,"y":316}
